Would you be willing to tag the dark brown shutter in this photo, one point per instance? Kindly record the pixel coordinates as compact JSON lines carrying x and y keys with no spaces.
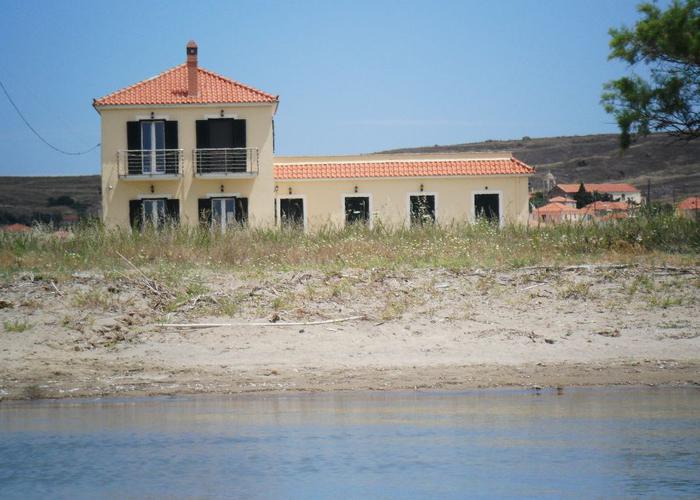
{"x":242,"y":210}
{"x":202,"y":133}
{"x":172,"y":211}
{"x":133,"y":142}
{"x":133,"y":135}
{"x":171,"y":135}
{"x":204,"y":210}
{"x":239,"y":134}
{"x":136,"y":214}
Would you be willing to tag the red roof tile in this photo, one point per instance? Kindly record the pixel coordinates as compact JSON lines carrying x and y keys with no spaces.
{"x":16,"y":228}
{"x":690,"y":203}
{"x":606,"y":205}
{"x":170,"y":87}
{"x":400,"y":168}
{"x":609,"y":187}
{"x":555,"y":208}
{"x":561,"y":199}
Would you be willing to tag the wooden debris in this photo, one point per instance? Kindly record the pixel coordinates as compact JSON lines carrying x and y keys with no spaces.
{"x":297,"y":323}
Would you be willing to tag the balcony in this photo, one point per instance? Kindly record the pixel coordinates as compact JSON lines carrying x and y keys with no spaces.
{"x":149,"y":164}
{"x":220,"y":163}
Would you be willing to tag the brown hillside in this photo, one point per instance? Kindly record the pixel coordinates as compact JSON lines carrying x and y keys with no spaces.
{"x":25,"y":199}
{"x":671,"y":167}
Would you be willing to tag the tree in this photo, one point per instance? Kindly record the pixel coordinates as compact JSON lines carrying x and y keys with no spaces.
{"x":538,"y":199}
{"x":667,"y":43}
{"x":583,"y":197}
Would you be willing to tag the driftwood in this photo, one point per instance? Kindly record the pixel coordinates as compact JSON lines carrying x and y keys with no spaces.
{"x":147,"y":281}
{"x":218,"y":325}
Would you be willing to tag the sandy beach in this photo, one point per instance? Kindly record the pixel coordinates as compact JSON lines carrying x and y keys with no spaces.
{"x":103,"y":335}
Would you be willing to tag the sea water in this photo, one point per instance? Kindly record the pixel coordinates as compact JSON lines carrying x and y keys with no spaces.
{"x":487,"y":443}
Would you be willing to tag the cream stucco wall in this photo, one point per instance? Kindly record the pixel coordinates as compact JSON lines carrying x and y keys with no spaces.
{"x":323,"y":199}
{"x":389,"y":198}
{"x":116,"y":191}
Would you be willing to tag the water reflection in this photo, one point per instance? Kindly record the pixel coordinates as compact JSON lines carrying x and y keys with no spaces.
{"x":585,"y":442}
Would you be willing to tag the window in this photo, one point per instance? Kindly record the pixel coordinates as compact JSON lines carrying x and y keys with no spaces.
{"x":153,"y":212}
{"x":357,"y":209}
{"x":292,"y":213}
{"x":422,"y":209}
{"x":153,"y":146}
{"x":221,"y":144}
{"x":487,"y":207}
{"x":223,"y":213}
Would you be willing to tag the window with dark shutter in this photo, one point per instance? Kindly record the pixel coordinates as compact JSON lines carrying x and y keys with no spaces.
{"x":172,"y":155}
{"x":422,"y":209}
{"x":204,"y":211}
{"x":171,"y":141}
{"x":202,"y":130}
{"x":239,"y":133}
{"x":242,"y":211}
{"x":133,"y":144}
{"x":172,"y":211}
{"x":136,"y":214}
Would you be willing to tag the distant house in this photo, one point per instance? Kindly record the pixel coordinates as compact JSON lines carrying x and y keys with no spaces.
{"x":16,"y":228}
{"x":555,"y":212}
{"x":69,"y":219}
{"x":618,"y":191}
{"x":690,"y":207}
{"x":569,"y":202}
{"x":607,"y":210}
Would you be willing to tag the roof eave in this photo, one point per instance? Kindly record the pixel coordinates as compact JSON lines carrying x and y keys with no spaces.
{"x":98,"y":106}
{"x":399,"y":177}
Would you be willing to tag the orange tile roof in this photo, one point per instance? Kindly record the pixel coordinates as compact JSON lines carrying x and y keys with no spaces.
{"x":555,"y":208}
{"x":561,"y":199}
{"x":170,"y":87}
{"x":690,"y":203}
{"x":16,"y":228}
{"x":614,"y":216}
{"x":606,"y":205}
{"x":609,"y":187}
{"x":400,"y":168}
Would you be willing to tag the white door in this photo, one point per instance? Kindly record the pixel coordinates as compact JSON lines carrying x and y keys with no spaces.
{"x":153,"y":212}
{"x":223,"y":213}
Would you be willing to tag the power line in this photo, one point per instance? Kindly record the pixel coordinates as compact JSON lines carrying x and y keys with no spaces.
{"x":26,"y":122}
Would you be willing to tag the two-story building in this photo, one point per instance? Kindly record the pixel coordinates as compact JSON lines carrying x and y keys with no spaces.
{"x":194,"y":147}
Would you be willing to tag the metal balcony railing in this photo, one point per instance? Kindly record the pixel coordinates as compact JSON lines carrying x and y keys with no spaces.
{"x":225,"y":161}
{"x":149,"y":162}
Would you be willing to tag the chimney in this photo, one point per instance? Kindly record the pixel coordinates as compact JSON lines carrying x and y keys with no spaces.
{"x":192,"y":80}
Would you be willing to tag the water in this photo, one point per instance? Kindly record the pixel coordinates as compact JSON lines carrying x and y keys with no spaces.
{"x":495,"y":443}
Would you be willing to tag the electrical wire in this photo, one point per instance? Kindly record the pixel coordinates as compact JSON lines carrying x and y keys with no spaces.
{"x":26,"y":122}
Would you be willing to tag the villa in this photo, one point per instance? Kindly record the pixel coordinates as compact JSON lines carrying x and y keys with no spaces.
{"x":191,"y":146}
{"x":618,"y":191}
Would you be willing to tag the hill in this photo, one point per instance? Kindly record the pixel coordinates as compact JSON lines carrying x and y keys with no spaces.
{"x":671,"y":168}
{"x":28,"y":199}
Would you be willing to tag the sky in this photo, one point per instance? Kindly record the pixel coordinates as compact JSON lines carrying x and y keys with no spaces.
{"x":353,"y":76}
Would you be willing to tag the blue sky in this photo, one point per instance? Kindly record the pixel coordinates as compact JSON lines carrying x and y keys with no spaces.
{"x":355,"y":76}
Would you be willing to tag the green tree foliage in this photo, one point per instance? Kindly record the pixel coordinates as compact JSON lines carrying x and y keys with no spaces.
{"x":667,"y":44}
{"x":538,"y":199}
{"x":584,"y":197}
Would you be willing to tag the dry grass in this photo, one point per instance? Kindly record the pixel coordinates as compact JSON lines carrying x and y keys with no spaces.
{"x":170,"y":254}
